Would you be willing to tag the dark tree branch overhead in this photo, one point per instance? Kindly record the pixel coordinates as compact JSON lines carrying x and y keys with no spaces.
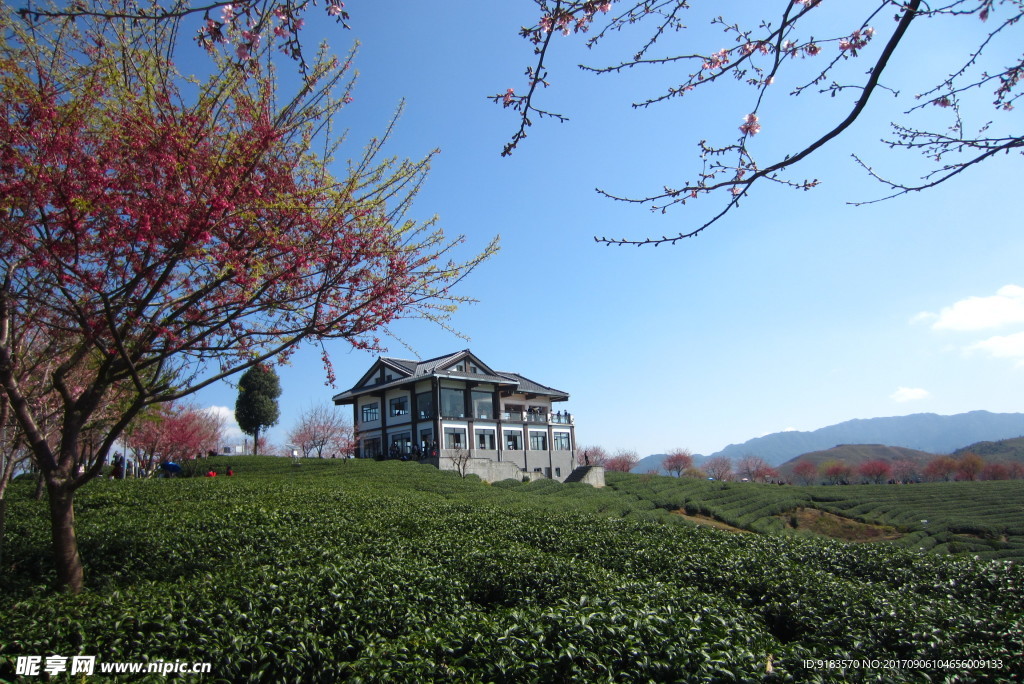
{"x":762,"y":54}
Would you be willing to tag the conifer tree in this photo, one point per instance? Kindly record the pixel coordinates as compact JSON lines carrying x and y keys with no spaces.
{"x":256,"y":407}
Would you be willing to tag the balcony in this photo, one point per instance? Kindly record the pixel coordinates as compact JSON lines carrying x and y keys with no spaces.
{"x":559,"y":418}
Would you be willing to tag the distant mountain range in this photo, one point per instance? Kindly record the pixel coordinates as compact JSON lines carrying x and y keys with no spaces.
{"x":928,"y":432}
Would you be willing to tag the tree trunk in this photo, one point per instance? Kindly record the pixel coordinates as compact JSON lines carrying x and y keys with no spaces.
{"x":256,"y":441}
{"x":3,"y":527}
{"x":39,"y":487}
{"x":70,"y":576}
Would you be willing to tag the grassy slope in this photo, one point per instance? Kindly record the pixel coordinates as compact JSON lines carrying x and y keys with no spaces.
{"x":366,"y":571}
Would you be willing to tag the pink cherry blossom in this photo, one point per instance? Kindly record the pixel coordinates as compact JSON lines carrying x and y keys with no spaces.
{"x":717,"y":59}
{"x":750,"y":125}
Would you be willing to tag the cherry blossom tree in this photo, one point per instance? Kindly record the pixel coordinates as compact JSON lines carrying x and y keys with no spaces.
{"x":836,"y":472}
{"x":161,"y":233}
{"x":322,"y":430}
{"x":969,"y":466}
{"x":591,"y":455}
{"x":876,"y":470}
{"x":755,"y":468}
{"x":806,"y":471}
{"x":718,"y":467}
{"x":904,"y":470}
{"x":940,"y":468}
{"x":144,"y":437}
{"x":995,"y":471}
{"x":238,"y":23}
{"x":678,"y":461}
{"x":803,"y":48}
{"x":175,"y":431}
{"x":623,"y":461}
{"x":12,"y":455}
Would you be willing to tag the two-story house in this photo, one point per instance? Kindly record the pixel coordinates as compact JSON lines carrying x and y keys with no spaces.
{"x":456,"y":406}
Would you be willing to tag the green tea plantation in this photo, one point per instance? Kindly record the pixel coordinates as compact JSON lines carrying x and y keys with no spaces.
{"x":359,"y":571}
{"x":980,"y":519}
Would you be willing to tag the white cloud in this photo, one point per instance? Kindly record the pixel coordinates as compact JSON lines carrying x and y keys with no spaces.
{"x":924,"y":317}
{"x":231,"y":430}
{"x":1005,"y":307}
{"x":1002,"y":347}
{"x":903,"y":394}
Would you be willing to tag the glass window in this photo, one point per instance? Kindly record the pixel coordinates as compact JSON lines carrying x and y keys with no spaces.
{"x":400,"y":406}
{"x":425,"y":405}
{"x":483,"y":404}
{"x":400,"y":444}
{"x":561,"y":441}
{"x":371,"y":412}
{"x":539,"y":441}
{"x":453,"y":403}
{"x":426,"y":440}
{"x":485,"y":439}
{"x":454,"y":438}
{"x":371,"y":447}
{"x":513,"y":440}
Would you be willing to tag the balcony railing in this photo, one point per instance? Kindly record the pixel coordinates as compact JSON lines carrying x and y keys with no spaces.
{"x":559,"y":418}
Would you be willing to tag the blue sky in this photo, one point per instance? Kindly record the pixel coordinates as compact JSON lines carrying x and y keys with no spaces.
{"x":796,"y":312}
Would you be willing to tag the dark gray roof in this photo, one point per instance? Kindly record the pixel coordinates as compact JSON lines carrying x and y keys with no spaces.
{"x":436,"y":366}
{"x":528,"y":386}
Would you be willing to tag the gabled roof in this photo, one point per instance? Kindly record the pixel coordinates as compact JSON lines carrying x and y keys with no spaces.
{"x":527,"y":386}
{"x":444,"y":367}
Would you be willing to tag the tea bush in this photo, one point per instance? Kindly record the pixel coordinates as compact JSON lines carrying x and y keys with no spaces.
{"x":384,"y":571}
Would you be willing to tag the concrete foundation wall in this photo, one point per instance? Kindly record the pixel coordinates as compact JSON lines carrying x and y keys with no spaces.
{"x":594,"y":477}
{"x":484,"y":468}
{"x":494,"y":471}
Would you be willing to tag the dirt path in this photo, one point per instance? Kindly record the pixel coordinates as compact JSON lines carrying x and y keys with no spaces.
{"x":837,"y":527}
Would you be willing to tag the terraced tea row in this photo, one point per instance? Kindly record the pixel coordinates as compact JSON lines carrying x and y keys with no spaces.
{"x":390,"y":571}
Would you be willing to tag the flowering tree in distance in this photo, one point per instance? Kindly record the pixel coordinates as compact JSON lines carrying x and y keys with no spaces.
{"x":796,"y":47}
{"x":160,"y":233}
{"x":877,"y":470}
{"x":678,"y":461}
{"x":173,"y":431}
{"x":718,"y":467}
{"x":836,"y":472}
{"x":322,"y":430}
{"x":591,"y":455}
{"x":940,"y":468}
{"x":755,"y":468}
{"x":806,"y":471}
{"x":624,"y":460}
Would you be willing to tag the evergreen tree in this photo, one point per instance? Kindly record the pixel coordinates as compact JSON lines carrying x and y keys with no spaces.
{"x":256,"y":407}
